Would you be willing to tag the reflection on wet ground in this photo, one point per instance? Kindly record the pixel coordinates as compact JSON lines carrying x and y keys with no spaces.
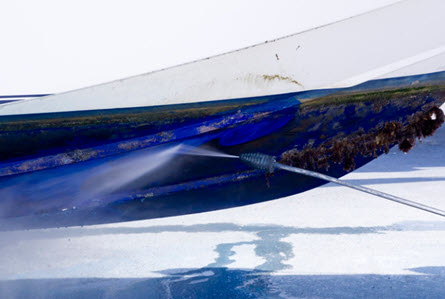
{"x":225,"y":283}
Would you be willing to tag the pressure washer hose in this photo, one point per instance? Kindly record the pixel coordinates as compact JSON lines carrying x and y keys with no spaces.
{"x":269,"y":164}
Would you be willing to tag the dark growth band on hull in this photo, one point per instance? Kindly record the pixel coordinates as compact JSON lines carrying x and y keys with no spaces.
{"x":343,"y":150}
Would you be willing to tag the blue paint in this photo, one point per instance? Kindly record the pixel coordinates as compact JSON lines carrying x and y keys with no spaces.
{"x":60,"y":193}
{"x":252,"y":131}
{"x":205,"y":126}
{"x":25,"y":96}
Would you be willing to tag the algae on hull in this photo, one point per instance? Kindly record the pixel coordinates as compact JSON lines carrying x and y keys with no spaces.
{"x":344,"y":148}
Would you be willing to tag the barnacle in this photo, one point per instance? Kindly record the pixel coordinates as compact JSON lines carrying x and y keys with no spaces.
{"x":380,"y":138}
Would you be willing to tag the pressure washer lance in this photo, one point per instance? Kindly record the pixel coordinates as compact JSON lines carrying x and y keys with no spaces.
{"x":269,"y":164}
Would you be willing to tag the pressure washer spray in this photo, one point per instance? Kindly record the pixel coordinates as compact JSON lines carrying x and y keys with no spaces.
{"x":269,"y":164}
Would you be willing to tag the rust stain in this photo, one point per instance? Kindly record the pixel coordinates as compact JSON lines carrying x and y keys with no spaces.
{"x":281,"y":78}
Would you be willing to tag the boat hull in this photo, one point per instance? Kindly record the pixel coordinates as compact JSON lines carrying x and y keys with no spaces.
{"x":89,"y":167}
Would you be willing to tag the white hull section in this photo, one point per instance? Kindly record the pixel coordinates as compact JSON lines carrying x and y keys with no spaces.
{"x":402,"y":39}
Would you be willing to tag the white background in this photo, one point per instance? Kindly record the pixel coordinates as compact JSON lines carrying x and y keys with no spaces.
{"x":51,"y":46}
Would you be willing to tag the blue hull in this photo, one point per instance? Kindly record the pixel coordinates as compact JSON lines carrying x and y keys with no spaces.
{"x":102,"y":166}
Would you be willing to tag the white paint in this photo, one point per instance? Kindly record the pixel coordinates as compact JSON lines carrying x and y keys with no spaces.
{"x":245,"y":257}
{"x":143,"y":255}
{"x":49,"y":46}
{"x":385,"y":253}
{"x":316,"y":58}
{"x":383,"y":71}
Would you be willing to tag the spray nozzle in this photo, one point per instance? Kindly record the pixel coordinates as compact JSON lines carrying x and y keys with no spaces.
{"x":268,"y":163}
{"x":259,"y":161}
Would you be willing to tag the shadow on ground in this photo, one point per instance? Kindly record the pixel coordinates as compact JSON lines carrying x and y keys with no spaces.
{"x":226,"y":283}
{"x":216,"y":280}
